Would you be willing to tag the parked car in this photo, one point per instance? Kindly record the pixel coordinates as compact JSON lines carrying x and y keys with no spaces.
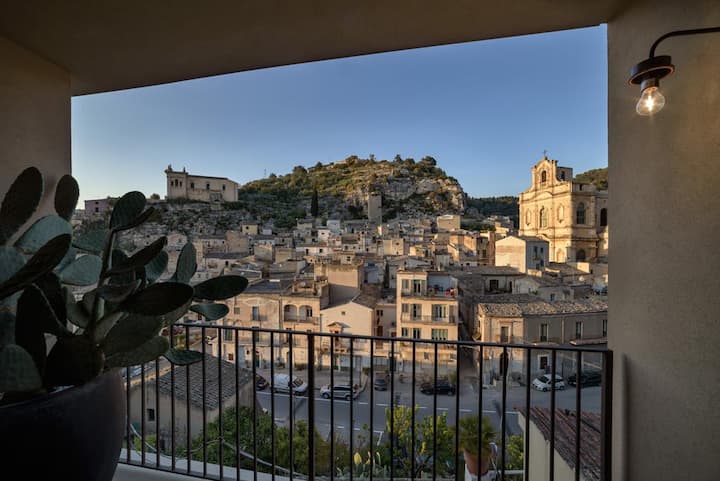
{"x":587,"y":378}
{"x":260,"y":382}
{"x":543,"y":383}
{"x":381,"y":383}
{"x":442,"y":386}
{"x":281,"y":383}
{"x":340,"y":391}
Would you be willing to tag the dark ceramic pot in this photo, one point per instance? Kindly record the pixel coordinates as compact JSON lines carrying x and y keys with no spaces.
{"x":73,"y":434}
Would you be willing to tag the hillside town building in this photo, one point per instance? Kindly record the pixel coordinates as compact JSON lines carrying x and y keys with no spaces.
{"x":202,"y":188}
{"x":572,"y":216}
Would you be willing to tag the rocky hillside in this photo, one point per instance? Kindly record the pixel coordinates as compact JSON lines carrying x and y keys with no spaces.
{"x":407,"y":187}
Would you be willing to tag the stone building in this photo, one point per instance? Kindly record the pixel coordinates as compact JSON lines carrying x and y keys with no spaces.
{"x":375,"y":207}
{"x":570,"y":215}
{"x":522,"y":253}
{"x":181,"y":185}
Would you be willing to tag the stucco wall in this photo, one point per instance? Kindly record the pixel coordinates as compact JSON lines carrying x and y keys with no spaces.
{"x":34,"y":118}
{"x":664,"y":323}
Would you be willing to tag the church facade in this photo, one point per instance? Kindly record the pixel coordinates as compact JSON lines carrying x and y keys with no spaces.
{"x":570,"y":215}
{"x":181,"y":185}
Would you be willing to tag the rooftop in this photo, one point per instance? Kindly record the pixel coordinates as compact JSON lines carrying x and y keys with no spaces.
{"x":212,"y":392}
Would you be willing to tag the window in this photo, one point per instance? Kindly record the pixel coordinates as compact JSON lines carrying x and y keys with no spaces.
{"x":604,"y":327}
{"x":543,"y":332}
{"x":543,"y":217}
{"x":405,"y":332}
{"x":543,"y":177}
{"x":207,"y":186}
{"x":256,"y":313}
{"x":342,"y":313}
{"x":151,"y":415}
{"x":416,"y":310}
{"x":543,"y":361}
{"x":439,"y":311}
{"x":418,"y":286}
{"x":552,"y":297}
{"x":603,"y":217}
{"x":426,"y":356}
{"x":494,"y":285}
{"x":580,"y":214}
{"x":535,"y":250}
{"x":97,"y":210}
{"x":192,"y":185}
{"x":562,"y":175}
{"x":405,"y":308}
{"x":417,"y":333}
{"x":580,"y":256}
{"x":223,"y":188}
{"x":578,"y":330}
{"x":227,"y":335}
{"x":439,"y":334}
{"x":231,"y":356}
{"x":379,"y":312}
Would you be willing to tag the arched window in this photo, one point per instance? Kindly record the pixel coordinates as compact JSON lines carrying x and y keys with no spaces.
{"x":543,"y":217}
{"x":192,"y":185}
{"x":543,"y":177}
{"x":580,"y":256}
{"x":580,"y":214}
{"x":603,"y":217}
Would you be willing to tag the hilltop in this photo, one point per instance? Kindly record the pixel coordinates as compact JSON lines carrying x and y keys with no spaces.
{"x":408,"y":189}
{"x":598,"y":177}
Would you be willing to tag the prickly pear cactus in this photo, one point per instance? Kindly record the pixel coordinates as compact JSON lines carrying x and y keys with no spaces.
{"x":118,"y":321}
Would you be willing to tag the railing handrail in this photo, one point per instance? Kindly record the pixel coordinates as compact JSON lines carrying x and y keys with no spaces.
{"x":467,"y":343}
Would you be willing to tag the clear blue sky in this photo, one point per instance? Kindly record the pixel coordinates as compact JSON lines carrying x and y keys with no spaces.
{"x":485,"y":110}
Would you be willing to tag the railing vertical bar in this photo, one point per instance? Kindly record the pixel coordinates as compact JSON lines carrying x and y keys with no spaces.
{"x":503,"y":421}
{"x":372,"y":402}
{"x":528,"y":377}
{"x":457,"y":411}
{"x":351,"y":427}
{"x":272,"y":403}
{"x":291,"y":407}
{"x":578,"y":413}
{"x":552,"y":414}
{"x":128,"y":440}
{"x":172,"y":403}
{"x":434,"y":414}
{"x":221,"y":434}
{"x":157,"y":413}
{"x":480,"y":405}
{"x":311,"y":406}
{"x":204,"y":399}
{"x":606,"y":417}
{"x":237,"y":405}
{"x":142,"y":414}
{"x":188,"y":441}
{"x":412,"y":424}
{"x":254,"y":385}
{"x":332,"y":409}
{"x":393,"y":441}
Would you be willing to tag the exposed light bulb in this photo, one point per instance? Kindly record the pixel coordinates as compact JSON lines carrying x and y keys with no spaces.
{"x":651,"y":101}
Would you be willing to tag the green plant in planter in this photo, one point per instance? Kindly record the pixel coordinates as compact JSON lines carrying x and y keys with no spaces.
{"x":472,"y":434}
{"x":120,"y":316}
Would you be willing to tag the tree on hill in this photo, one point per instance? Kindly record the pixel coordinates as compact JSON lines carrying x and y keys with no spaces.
{"x":397,"y":158}
{"x":314,"y":205}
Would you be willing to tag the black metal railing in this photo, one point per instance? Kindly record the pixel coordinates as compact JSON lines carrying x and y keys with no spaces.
{"x":263,"y":404}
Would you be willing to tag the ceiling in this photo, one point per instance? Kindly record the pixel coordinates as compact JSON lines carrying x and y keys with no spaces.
{"x":111,"y":45}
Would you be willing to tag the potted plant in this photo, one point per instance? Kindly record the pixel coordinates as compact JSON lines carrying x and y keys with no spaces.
{"x":62,"y":404}
{"x":471,"y":439}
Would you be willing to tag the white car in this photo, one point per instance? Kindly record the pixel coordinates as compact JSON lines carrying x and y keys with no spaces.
{"x":281,"y":383}
{"x":543,"y":383}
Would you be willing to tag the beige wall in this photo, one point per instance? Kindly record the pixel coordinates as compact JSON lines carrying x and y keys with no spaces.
{"x":665,"y":308}
{"x":539,"y":457}
{"x":34,"y":118}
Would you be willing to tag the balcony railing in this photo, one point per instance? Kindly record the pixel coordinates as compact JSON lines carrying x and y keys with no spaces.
{"x":430,"y":292}
{"x":218,"y":420}
{"x":408,"y":317}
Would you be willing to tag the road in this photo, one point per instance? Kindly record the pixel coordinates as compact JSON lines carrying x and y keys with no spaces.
{"x":468,"y":405}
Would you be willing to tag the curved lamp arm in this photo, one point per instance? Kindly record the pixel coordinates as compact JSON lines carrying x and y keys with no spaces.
{"x":679,"y":33}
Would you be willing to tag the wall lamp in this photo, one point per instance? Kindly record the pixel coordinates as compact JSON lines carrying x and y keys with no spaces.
{"x":647,"y":74}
